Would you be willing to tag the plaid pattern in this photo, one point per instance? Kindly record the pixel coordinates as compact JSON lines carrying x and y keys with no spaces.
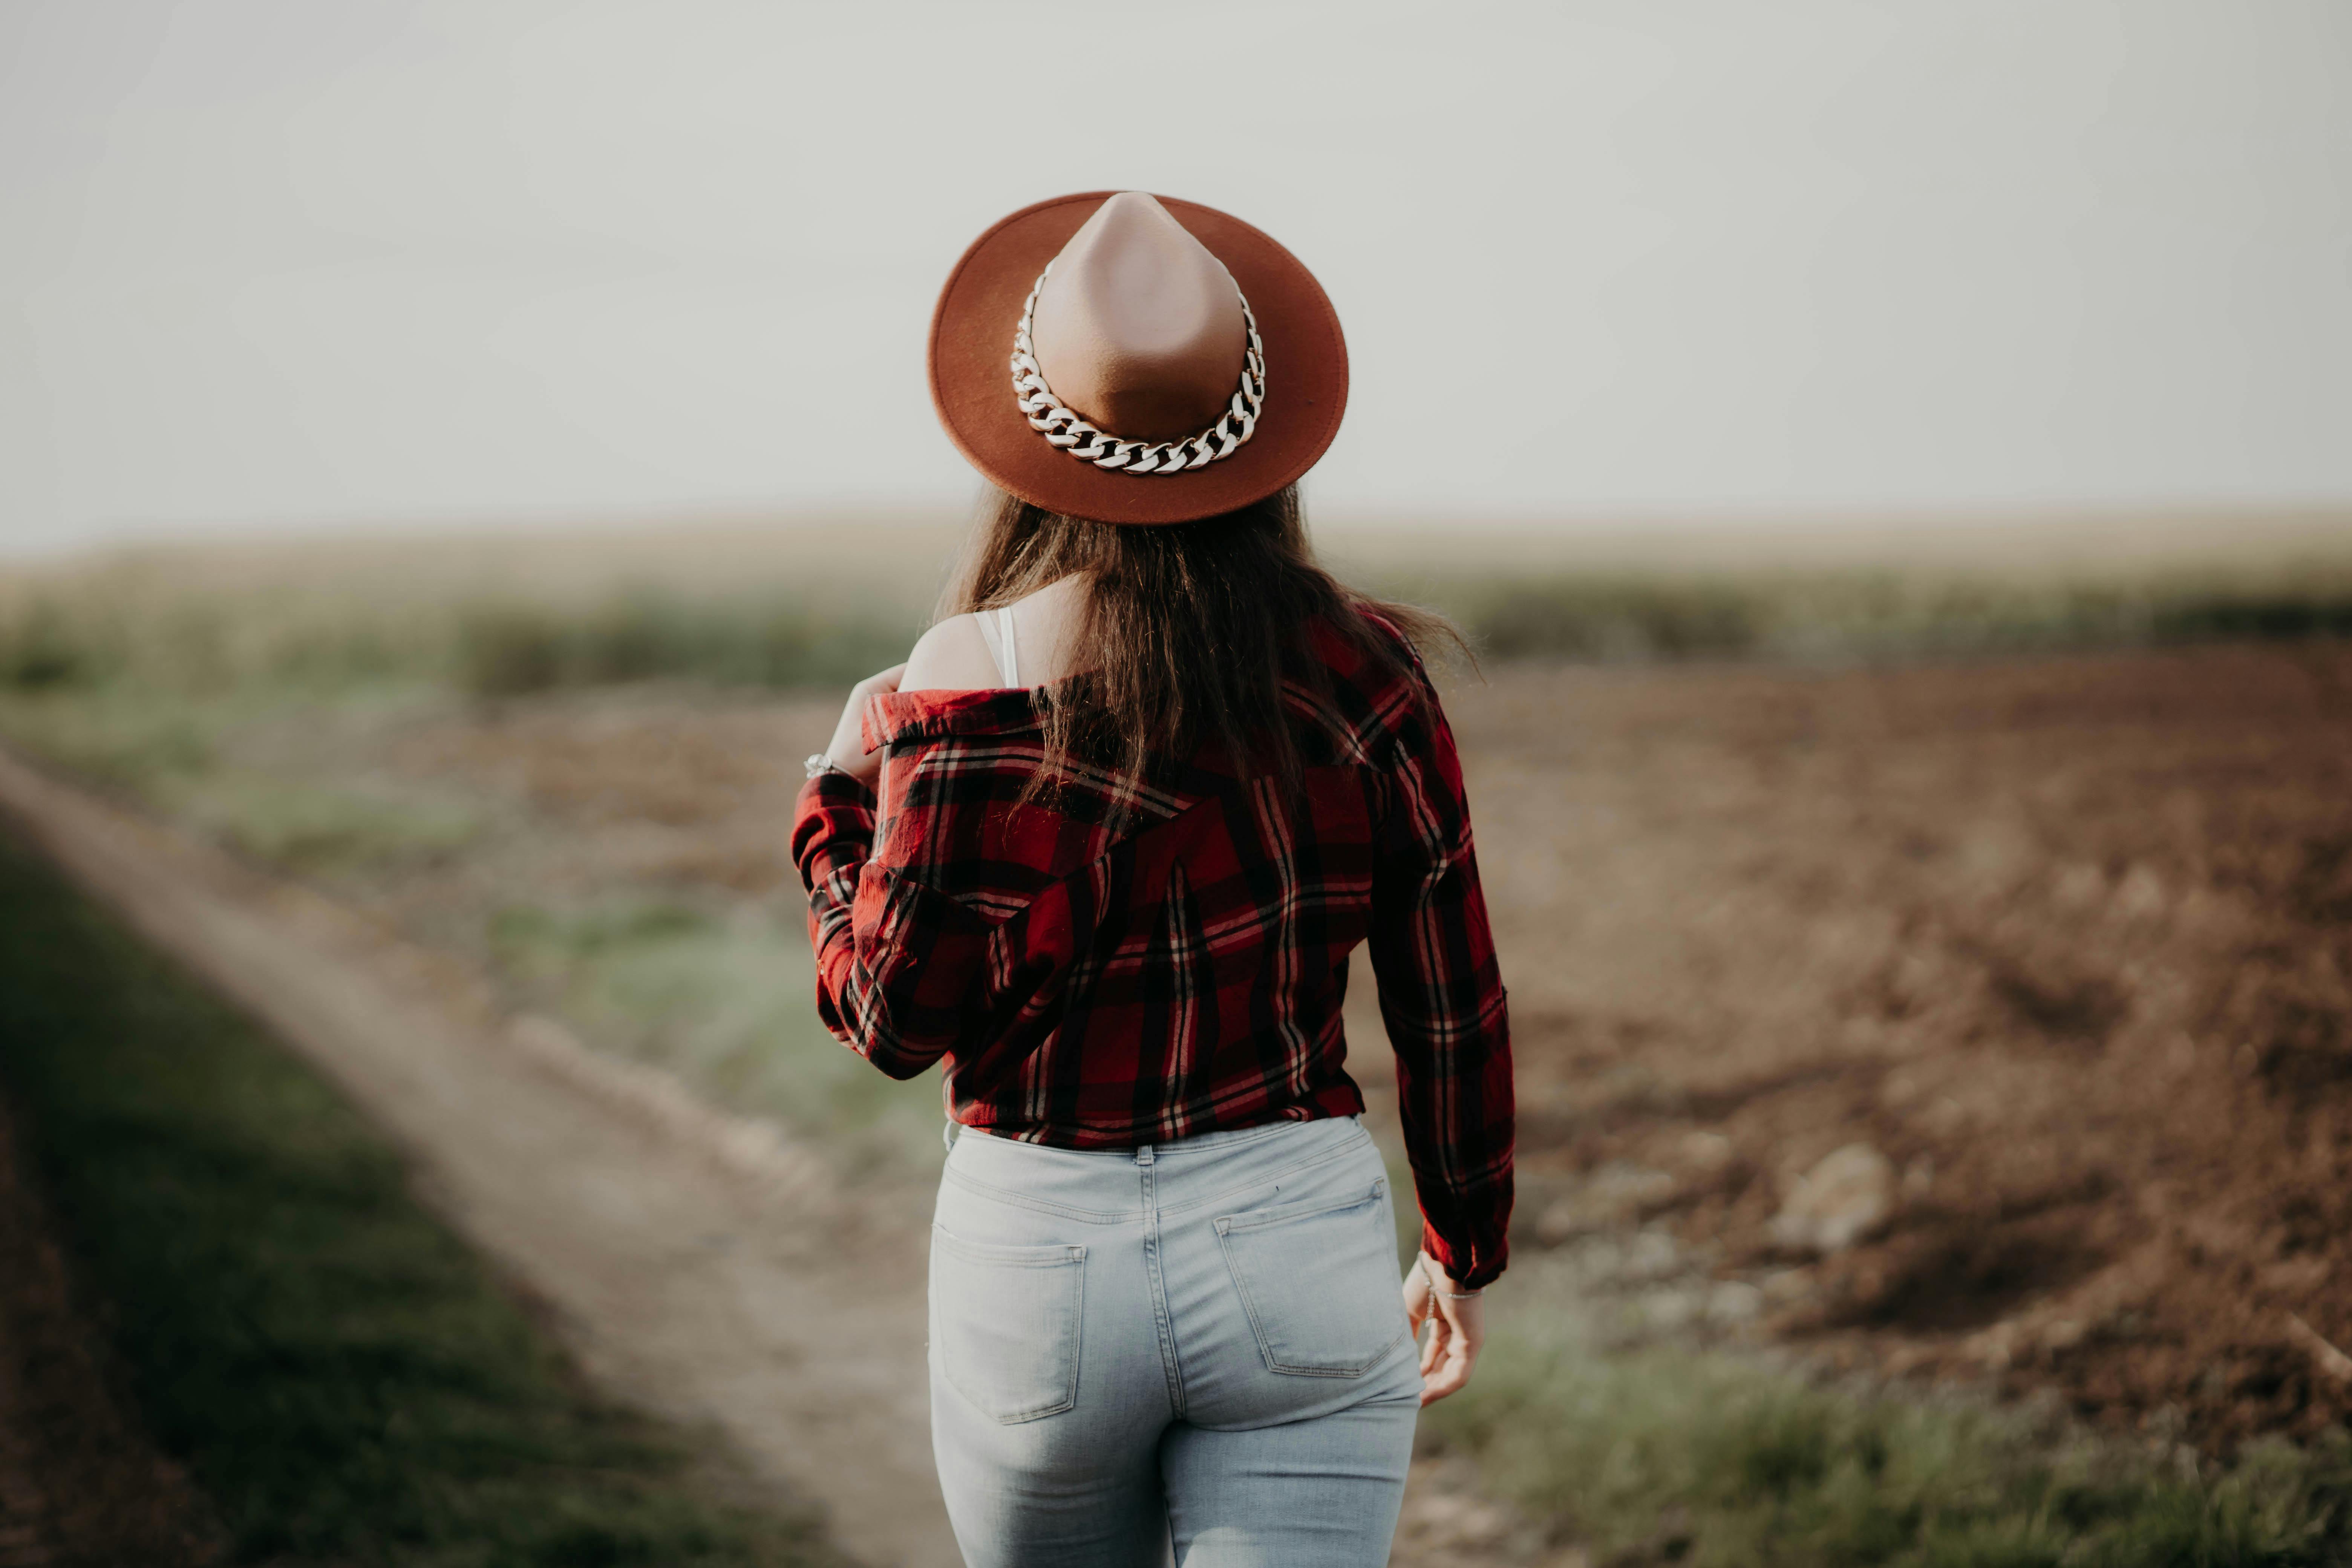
{"x":1134,"y":960}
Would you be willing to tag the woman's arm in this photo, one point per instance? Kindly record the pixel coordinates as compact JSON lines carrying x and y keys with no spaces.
{"x":1442,"y":998}
{"x":895,"y":961}
{"x":848,"y":748}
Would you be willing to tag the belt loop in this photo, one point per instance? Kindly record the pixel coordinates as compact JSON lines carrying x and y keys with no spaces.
{"x":1143,"y":1153}
{"x":947,"y":1130}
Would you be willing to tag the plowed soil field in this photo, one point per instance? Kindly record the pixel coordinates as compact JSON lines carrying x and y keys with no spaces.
{"x":2066,"y":946}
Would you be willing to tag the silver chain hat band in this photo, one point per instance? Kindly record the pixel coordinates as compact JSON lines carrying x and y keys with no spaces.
{"x":1061,"y":425}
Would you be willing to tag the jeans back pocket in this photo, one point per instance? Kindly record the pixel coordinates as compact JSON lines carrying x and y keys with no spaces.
{"x":1006,"y":1322}
{"x":1319,"y":1282}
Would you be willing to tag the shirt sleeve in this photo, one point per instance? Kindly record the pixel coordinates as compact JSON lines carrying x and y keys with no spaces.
{"x":896,"y":962}
{"x":1442,"y":998}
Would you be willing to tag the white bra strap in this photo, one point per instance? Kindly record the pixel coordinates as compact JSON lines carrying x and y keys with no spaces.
{"x":1008,"y":649}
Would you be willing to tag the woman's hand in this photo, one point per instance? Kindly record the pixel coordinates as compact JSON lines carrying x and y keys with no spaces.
{"x":1457,"y":1327}
{"x":847,"y":747}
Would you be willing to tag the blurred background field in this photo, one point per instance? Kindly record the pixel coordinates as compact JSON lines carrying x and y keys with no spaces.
{"x":141,"y":665}
{"x":2005,"y":878}
{"x":571,"y":757}
{"x":1889,"y":462}
{"x":817,"y":603}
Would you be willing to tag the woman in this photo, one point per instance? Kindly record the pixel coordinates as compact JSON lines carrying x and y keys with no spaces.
{"x":1102,"y":847}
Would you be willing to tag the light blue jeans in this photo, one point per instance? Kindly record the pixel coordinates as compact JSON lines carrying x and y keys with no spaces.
{"x":1198,"y":1346}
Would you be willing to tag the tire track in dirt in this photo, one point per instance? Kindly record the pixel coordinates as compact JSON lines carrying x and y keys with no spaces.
{"x":696,"y":1264}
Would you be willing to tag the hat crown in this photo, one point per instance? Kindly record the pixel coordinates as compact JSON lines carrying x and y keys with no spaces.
{"x":1138,"y":327}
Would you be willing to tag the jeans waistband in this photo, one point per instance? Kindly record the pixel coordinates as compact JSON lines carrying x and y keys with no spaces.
{"x":1198,"y":1143}
{"x":1103,"y":1185}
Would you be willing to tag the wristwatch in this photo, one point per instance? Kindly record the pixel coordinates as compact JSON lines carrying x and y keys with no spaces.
{"x":818,"y":762}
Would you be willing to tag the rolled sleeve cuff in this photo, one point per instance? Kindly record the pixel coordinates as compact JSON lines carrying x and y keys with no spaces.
{"x":1474,"y":1264}
{"x":831,"y":809}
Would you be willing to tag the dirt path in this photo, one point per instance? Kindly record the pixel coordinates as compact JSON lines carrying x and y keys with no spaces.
{"x":695,"y":1263}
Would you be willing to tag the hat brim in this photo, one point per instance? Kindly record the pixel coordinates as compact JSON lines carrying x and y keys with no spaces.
{"x":972,"y":380}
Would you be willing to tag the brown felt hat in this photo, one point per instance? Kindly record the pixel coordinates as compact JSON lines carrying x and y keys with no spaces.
{"x":1136,"y":327}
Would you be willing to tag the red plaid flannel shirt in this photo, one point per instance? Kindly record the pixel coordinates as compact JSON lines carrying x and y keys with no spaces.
{"x":1134,"y":960}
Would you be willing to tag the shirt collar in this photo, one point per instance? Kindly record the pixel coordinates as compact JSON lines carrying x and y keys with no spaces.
{"x":894,"y":716}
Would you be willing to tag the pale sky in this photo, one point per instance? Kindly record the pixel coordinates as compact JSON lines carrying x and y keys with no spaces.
{"x":285,"y":264}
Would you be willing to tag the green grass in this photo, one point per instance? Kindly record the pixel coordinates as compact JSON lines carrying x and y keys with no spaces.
{"x":192,"y":757}
{"x":1844,"y":615}
{"x":145,"y":634}
{"x":121,"y":735}
{"x":345,"y":1380}
{"x":1657,"y":1455}
{"x":309,"y":828}
{"x":105,"y":635}
{"x":512,"y":648}
{"x":724,"y":1002}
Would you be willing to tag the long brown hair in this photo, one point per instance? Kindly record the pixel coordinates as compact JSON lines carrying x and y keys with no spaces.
{"x":1190,"y":630}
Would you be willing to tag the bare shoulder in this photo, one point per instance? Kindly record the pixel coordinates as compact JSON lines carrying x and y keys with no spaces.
{"x":951,"y":656}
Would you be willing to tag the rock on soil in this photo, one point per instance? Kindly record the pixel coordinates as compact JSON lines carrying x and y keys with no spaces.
{"x":1846,"y":1197}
